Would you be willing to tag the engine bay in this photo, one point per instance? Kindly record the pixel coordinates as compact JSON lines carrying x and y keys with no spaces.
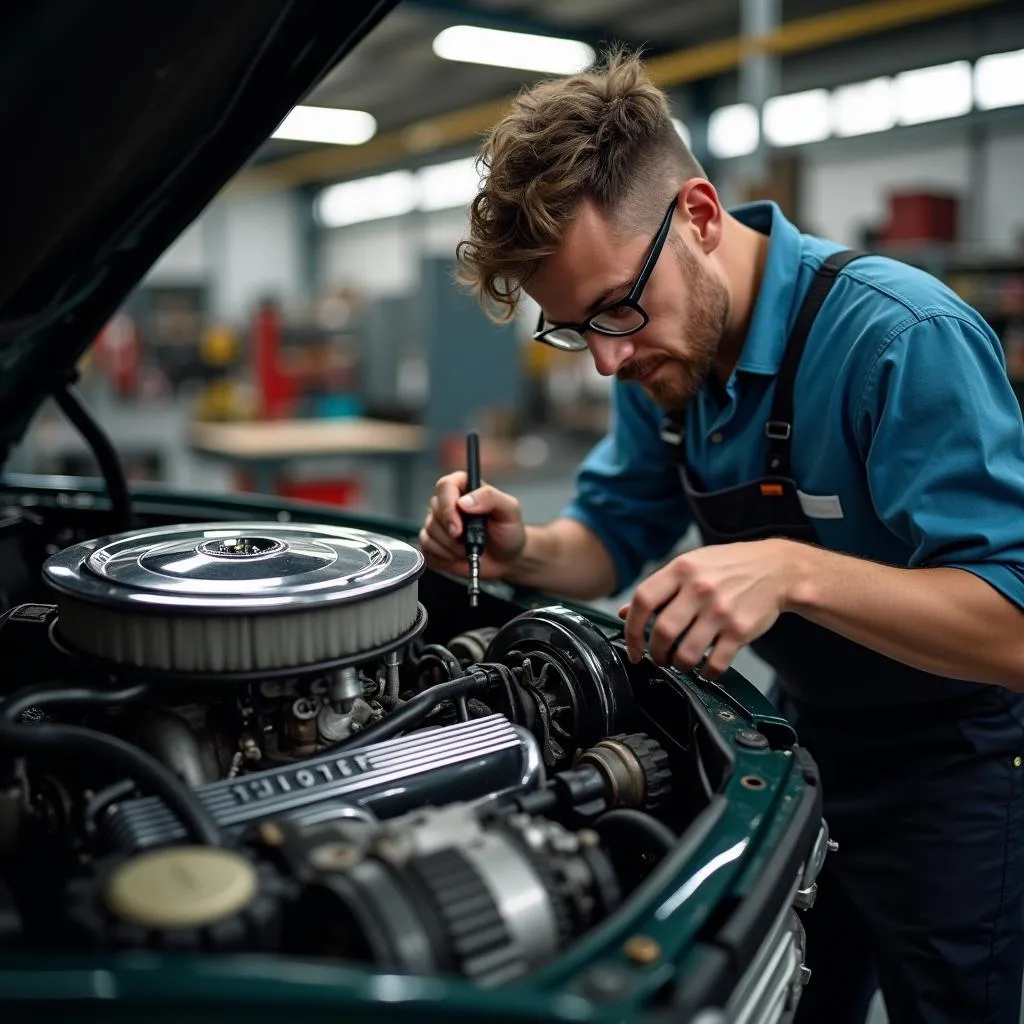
{"x":270,"y":736}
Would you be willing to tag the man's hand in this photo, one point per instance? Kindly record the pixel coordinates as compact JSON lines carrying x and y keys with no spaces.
{"x":440,"y":538}
{"x":719,"y":597}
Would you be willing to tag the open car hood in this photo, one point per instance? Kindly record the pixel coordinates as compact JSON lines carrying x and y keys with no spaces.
{"x":124,"y":120}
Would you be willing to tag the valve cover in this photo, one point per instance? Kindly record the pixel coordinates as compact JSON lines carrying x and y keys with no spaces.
{"x":480,"y":758}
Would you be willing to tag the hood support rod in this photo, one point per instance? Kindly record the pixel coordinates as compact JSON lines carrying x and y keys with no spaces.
{"x":104,"y":452}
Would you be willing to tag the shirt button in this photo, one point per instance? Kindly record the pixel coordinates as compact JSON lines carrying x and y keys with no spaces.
{"x":716,"y":437}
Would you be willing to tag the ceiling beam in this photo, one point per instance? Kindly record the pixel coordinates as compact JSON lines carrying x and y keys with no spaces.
{"x":466,"y":125}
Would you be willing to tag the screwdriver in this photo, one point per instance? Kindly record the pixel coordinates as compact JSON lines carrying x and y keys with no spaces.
{"x":475,"y":534}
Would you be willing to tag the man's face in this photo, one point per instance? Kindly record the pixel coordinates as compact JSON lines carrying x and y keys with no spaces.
{"x":687,"y":304}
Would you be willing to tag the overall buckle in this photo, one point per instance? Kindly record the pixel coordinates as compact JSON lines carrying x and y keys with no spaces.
{"x":778,"y":430}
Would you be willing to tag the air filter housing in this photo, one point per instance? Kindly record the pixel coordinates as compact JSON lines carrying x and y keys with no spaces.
{"x":236,"y":598}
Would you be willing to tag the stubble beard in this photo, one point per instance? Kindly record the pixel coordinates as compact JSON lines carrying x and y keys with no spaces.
{"x":707,"y":311}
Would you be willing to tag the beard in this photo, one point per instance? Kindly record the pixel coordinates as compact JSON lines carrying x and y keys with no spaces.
{"x":707,"y":309}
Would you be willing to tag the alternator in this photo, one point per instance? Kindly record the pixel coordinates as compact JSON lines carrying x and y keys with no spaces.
{"x":444,"y":890}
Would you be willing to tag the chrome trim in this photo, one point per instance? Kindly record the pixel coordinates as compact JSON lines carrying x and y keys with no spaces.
{"x":770,"y":988}
{"x":172,"y":567}
{"x":534,"y":773}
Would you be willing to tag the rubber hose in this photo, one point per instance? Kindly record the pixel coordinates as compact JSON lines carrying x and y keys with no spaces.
{"x":638,"y":823}
{"x":42,"y":696}
{"x":413,"y":711}
{"x":452,"y":665}
{"x":73,"y":740}
{"x":447,"y":660}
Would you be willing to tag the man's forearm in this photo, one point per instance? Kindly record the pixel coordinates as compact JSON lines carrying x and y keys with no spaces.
{"x":565,"y":558}
{"x":943,"y":620}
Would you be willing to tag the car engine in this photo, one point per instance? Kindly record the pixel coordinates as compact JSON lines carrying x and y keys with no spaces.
{"x":240,"y":736}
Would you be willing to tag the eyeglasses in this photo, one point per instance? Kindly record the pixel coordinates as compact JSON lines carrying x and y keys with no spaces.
{"x":618,"y":319}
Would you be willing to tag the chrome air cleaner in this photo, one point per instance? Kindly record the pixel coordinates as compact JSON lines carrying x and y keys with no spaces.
{"x":242,"y":598}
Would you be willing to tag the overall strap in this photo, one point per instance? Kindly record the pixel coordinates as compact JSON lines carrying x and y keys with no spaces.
{"x":779,"y":427}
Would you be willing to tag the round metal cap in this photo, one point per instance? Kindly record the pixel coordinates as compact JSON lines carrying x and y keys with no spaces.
{"x":181,"y":887}
{"x":241,"y":566}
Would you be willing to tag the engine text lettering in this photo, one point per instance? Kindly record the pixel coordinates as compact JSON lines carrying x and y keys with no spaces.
{"x":303,"y":778}
{"x":262,"y":788}
{"x":353,"y":765}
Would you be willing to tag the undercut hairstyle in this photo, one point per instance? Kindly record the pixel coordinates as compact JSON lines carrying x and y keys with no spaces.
{"x":606,"y":135}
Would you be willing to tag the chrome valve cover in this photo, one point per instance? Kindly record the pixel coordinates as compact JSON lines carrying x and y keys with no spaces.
{"x":478,"y":759}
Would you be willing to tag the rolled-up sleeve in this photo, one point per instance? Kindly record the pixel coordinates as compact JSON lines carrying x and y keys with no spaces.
{"x":944,"y":443}
{"x":628,"y":490}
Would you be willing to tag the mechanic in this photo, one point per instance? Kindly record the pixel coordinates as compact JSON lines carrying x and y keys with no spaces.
{"x":841,"y":428}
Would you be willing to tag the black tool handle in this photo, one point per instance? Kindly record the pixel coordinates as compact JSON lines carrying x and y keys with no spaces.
{"x":476,"y":534}
{"x":473,"y":461}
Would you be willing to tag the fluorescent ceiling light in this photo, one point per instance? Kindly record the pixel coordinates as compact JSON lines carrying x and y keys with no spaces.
{"x":442,"y":186}
{"x":383,"y":195}
{"x":931,"y":94}
{"x":448,"y":185}
{"x":733,"y":131}
{"x":327,"y":124}
{"x":999,"y":80}
{"x":797,"y":118}
{"x":473,"y":45}
{"x":863,"y":107}
{"x":684,"y":132}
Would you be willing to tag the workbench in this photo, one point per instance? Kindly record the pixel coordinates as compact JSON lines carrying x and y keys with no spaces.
{"x":264,"y":449}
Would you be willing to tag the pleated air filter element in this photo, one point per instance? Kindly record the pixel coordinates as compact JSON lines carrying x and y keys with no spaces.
{"x":235,"y":597}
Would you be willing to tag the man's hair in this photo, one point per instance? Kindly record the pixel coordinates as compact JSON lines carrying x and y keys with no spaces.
{"x":605,"y":135}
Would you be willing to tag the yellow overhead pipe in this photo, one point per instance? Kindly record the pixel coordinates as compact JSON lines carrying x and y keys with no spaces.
{"x":668,"y":70}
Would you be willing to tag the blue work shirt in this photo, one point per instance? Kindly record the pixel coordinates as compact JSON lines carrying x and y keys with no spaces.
{"x":908,"y":442}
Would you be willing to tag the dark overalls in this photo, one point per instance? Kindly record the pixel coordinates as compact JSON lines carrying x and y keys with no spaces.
{"x":921,"y":775}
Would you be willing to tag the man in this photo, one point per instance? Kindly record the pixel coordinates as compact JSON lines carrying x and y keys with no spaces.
{"x":843,"y":433}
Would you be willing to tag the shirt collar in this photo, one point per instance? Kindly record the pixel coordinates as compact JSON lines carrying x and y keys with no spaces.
{"x":769,"y":326}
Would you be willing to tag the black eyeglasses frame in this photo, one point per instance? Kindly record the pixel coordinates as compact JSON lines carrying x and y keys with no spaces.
{"x":632,"y":301}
